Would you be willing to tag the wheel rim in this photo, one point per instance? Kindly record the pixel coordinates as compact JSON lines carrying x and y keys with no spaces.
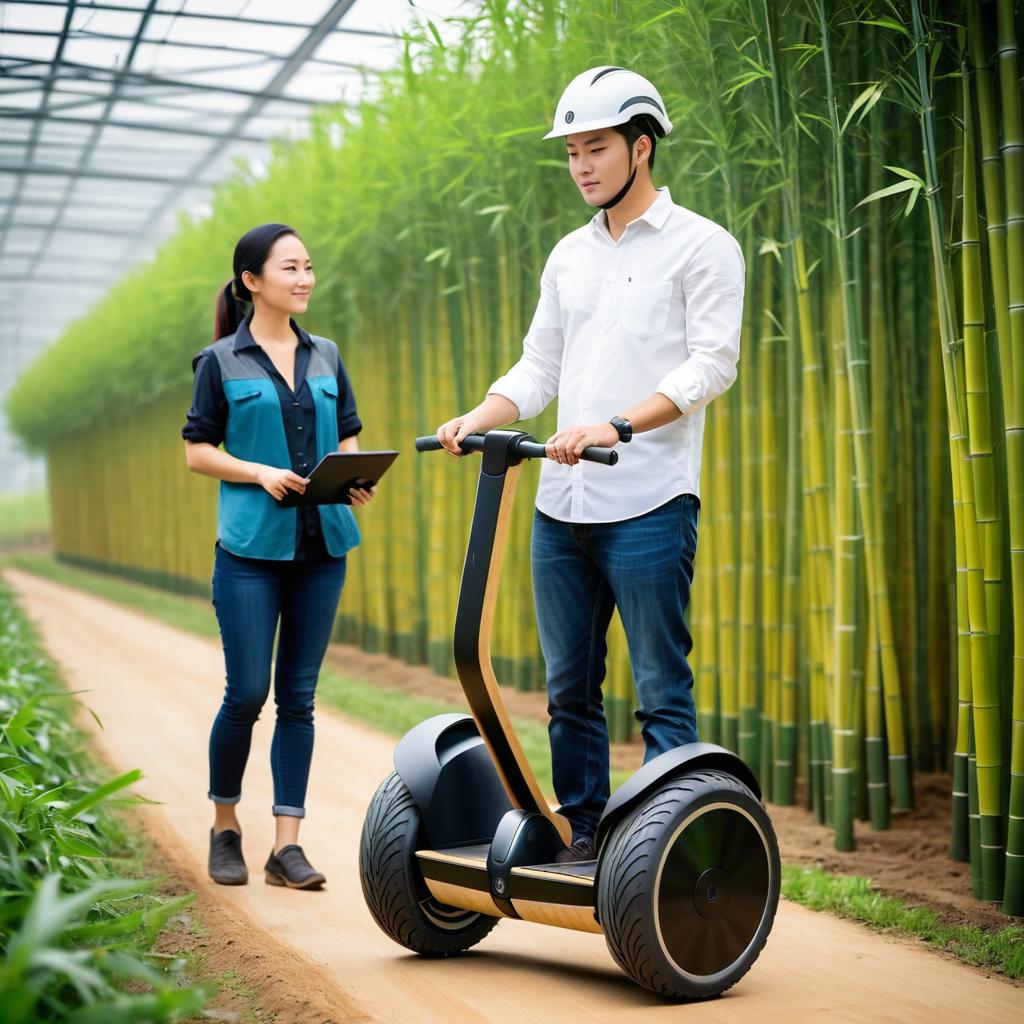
{"x":712,"y":890}
{"x":443,"y":916}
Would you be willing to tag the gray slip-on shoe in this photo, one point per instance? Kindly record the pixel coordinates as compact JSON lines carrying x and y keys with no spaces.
{"x":226,"y":864}
{"x":289,"y":867}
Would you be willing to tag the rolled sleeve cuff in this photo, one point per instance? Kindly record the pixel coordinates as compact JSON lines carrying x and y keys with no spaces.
{"x":521,"y":392}
{"x":685,"y":394}
{"x":349,"y":428}
{"x":690,"y":388}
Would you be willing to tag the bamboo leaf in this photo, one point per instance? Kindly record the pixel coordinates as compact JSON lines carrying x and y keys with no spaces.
{"x":660,"y":17}
{"x":866,"y":99}
{"x":888,"y":23}
{"x":437,"y":35}
{"x":890,"y":190}
{"x":904,"y":173}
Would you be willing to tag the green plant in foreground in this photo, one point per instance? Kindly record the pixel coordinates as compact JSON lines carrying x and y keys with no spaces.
{"x":75,"y":937}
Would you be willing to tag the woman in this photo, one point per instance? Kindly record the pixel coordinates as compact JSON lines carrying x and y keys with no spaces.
{"x":278,"y":399}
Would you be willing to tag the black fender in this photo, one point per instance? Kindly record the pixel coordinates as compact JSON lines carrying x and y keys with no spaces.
{"x":449,"y":773}
{"x":677,"y":761}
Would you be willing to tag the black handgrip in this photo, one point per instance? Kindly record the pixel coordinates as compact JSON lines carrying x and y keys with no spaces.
{"x":605,"y":456}
{"x":470,"y":443}
{"x":526,"y":448}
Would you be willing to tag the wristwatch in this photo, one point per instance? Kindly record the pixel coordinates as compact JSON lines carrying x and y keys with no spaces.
{"x":624,"y":428}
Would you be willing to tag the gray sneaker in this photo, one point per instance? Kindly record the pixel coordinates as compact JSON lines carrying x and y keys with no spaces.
{"x":226,"y":864}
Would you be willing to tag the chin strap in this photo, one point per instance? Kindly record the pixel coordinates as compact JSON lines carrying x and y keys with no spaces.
{"x":621,"y":194}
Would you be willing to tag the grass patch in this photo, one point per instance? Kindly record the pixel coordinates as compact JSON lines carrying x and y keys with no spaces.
{"x":23,"y":515}
{"x":851,"y":896}
{"x":190,"y":614}
{"x":77,"y":927}
{"x":846,"y":896}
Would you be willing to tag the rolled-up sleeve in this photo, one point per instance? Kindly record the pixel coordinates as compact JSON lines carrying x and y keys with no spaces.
{"x":207,"y":418}
{"x":349,"y":423}
{"x":713,"y":293}
{"x":533,"y":382}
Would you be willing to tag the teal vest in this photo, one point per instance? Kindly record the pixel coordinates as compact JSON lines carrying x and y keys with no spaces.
{"x":250,"y":523}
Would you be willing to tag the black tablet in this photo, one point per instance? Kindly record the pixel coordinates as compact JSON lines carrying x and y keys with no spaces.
{"x":336,"y":474}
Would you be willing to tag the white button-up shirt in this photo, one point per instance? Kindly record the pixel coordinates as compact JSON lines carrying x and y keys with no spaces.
{"x":657,"y":311}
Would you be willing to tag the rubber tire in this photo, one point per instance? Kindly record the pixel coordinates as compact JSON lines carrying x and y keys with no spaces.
{"x":393,"y":884}
{"x":626,"y":877}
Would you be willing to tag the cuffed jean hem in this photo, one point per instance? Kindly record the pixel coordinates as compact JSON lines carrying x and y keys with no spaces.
{"x":289,"y":812}
{"x":225,"y":799}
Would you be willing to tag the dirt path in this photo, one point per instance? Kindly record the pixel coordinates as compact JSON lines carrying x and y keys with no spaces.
{"x":156,"y":691}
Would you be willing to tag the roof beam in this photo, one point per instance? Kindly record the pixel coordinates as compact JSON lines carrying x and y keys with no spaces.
{"x":47,"y":88}
{"x":198,"y":16}
{"x":326,"y":25}
{"x":98,"y":73}
{"x":181,"y":44}
{"x":88,"y":173}
{"x":15,"y":113}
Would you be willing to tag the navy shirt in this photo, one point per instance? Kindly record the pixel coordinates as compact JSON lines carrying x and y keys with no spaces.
{"x":207,"y":421}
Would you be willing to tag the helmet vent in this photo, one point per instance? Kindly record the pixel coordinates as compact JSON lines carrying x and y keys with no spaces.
{"x":601,"y":74}
{"x":569,"y":117}
{"x":641,"y":99}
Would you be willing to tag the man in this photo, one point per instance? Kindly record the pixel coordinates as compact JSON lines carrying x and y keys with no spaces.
{"x":637,"y":329}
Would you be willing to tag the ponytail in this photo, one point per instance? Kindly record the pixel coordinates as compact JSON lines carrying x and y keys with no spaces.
{"x":227,"y":313}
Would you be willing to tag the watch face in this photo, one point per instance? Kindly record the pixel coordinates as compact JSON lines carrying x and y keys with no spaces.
{"x":624,"y":428}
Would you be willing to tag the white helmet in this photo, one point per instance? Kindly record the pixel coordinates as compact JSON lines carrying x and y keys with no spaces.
{"x":606,"y":96}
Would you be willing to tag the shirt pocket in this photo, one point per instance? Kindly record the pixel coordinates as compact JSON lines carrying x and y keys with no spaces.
{"x":330,"y":390}
{"x":645,"y":306}
{"x":243,"y":399}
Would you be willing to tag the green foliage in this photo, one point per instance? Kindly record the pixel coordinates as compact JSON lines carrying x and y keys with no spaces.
{"x":23,"y":515}
{"x":75,"y":932}
{"x":852,"y":896}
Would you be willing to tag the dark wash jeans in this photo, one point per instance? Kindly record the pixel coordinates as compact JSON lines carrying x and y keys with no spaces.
{"x":251,"y":596}
{"x":581,"y":573}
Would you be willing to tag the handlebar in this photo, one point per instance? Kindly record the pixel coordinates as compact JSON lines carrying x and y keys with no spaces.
{"x":525,"y":447}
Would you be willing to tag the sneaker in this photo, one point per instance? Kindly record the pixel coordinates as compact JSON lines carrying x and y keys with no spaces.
{"x":580,"y":849}
{"x":289,"y":867}
{"x":226,"y":864}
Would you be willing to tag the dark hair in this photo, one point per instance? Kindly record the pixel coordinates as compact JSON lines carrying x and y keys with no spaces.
{"x":640,"y":124}
{"x":251,"y":253}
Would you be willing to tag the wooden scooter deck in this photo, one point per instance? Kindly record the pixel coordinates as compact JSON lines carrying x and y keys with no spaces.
{"x":555,"y":894}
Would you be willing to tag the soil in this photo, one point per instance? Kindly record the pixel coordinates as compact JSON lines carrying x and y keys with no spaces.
{"x":319,"y":957}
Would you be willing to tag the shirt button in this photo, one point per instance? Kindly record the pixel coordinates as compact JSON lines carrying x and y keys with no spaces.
{"x":299,"y":427}
{"x":295,"y":403}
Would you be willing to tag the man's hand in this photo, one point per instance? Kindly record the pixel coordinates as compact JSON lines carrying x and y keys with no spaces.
{"x":567,"y":445}
{"x":452,"y":433}
{"x":277,"y":482}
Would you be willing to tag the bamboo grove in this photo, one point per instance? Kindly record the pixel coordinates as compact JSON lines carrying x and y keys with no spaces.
{"x":858,"y":610}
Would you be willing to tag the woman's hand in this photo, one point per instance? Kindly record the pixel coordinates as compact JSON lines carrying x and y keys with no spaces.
{"x":362,"y":495}
{"x":452,"y":433}
{"x":277,"y":482}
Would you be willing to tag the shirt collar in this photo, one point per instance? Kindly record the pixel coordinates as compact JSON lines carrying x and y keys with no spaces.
{"x":244,"y":338}
{"x":656,"y":214}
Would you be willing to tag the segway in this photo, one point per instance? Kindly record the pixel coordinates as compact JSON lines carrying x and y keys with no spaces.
{"x":686,"y":881}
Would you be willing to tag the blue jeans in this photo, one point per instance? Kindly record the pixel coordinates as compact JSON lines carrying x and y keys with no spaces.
{"x":251,"y":596}
{"x":581,"y":573}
